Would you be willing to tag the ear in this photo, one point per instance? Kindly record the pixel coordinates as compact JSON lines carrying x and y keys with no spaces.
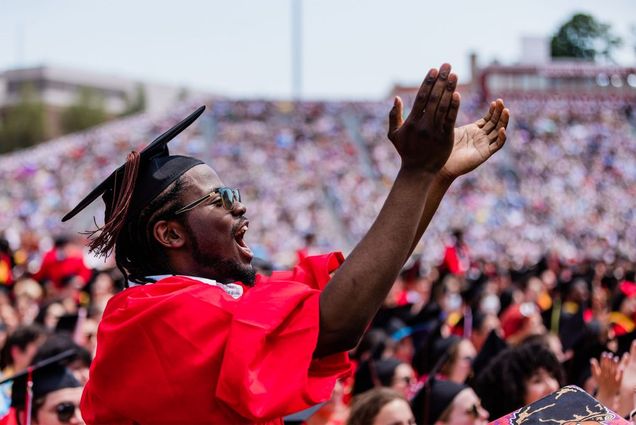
{"x":169,"y":234}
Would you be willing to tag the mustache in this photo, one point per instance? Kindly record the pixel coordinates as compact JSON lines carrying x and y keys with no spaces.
{"x":241,"y":221}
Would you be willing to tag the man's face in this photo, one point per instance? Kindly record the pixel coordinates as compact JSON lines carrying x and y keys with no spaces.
{"x":215,"y":234}
{"x":60,"y":400}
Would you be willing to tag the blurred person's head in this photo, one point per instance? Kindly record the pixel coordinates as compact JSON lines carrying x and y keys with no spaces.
{"x":578,"y":292}
{"x":446,"y":402}
{"x":483,"y":324}
{"x":78,"y":364}
{"x":56,"y":397}
{"x":389,"y":372}
{"x":380,"y":406}
{"x":21,"y":346}
{"x":459,"y":364}
{"x":520,"y":321}
{"x":517,"y":377}
{"x":50,"y":314}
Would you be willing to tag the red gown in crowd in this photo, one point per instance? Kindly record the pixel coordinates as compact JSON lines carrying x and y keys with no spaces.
{"x":181,"y":351}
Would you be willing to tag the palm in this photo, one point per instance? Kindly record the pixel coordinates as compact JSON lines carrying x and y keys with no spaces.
{"x":476,"y":142}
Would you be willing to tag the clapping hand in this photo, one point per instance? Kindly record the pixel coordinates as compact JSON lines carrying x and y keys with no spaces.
{"x":475,"y":143}
{"x":425,"y":139}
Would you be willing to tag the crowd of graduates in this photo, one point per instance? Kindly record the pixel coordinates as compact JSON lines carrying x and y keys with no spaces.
{"x":526,"y":281}
{"x":463,"y":342}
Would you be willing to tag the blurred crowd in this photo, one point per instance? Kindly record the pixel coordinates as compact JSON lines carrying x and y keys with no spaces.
{"x":525,"y":281}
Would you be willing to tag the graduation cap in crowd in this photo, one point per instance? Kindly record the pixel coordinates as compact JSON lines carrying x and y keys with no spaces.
{"x":135,"y":184}
{"x":39,"y":380}
{"x":430,"y":402}
{"x":569,"y":405}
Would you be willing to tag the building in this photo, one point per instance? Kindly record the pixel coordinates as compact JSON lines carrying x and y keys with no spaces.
{"x":58,"y":88}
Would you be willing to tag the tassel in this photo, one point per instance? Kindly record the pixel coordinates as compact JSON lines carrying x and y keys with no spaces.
{"x":104,"y":243}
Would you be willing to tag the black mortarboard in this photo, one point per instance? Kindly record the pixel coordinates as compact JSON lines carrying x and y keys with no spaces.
{"x":131,"y":187}
{"x":430,"y":402}
{"x":48,"y":375}
{"x":569,"y":405}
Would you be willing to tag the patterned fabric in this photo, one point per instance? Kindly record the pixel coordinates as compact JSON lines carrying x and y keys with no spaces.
{"x":568,"y":406}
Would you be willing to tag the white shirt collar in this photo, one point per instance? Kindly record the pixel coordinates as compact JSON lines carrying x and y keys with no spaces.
{"x":232,"y":289}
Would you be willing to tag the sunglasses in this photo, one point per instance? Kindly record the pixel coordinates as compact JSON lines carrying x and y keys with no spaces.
{"x":474,"y":411}
{"x":227,"y":195}
{"x":65,"y":411}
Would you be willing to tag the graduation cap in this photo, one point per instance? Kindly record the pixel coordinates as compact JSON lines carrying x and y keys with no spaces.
{"x":569,"y":405}
{"x":433,"y":399}
{"x":131,"y":187}
{"x":39,"y":380}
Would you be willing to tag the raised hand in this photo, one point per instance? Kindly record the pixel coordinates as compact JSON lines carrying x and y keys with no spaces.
{"x":608,"y":376}
{"x":475,"y":143}
{"x":425,"y":139}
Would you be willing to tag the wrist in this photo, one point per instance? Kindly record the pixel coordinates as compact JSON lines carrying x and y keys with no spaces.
{"x":443,"y":178}
{"x":417,"y":172}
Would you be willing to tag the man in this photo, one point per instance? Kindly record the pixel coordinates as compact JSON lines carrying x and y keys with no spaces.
{"x":188,"y":344}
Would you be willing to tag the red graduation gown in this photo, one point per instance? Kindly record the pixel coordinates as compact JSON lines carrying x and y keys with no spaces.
{"x":184,"y":352}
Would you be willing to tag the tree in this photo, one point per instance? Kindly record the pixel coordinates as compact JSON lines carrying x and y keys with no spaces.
{"x":138,"y":103}
{"x":23,"y":124}
{"x":583,"y":37}
{"x":87,"y":111}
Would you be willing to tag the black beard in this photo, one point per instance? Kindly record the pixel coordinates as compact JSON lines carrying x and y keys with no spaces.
{"x":225,"y":271}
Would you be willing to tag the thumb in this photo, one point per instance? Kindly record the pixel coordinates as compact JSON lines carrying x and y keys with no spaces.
{"x":395,"y":116}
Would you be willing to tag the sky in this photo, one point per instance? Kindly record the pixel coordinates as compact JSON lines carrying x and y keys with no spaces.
{"x":351,"y":49}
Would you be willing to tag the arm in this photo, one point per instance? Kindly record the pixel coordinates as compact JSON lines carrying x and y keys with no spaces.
{"x":424,"y":143}
{"x":474,"y":144}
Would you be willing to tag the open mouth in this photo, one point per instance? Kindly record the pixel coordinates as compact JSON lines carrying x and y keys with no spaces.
{"x":240,"y":241}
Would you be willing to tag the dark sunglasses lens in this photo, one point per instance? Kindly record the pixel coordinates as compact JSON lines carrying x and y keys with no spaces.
{"x":474,"y":411}
{"x":229,"y":196}
{"x":65,"y":411}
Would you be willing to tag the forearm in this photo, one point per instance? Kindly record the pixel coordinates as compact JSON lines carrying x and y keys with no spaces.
{"x":438,"y":188}
{"x":358,"y":288}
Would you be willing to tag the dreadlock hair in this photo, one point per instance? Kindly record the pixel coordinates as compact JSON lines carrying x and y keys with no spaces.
{"x":137,"y":252}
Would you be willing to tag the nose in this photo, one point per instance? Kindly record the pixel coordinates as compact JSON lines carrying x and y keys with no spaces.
{"x":552,"y":385}
{"x":483,"y":413}
{"x":238,"y":209}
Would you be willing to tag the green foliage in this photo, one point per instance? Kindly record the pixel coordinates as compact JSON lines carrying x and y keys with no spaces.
{"x":583,"y":37}
{"x":23,"y":124}
{"x":138,"y":103}
{"x":87,"y":111}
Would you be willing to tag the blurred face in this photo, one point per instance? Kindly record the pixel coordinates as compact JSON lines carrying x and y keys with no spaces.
{"x":396,"y":412}
{"x":466,"y":410}
{"x":462,"y":364}
{"x":539,"y":385}
{"x":215,"y":234}
{"x":403,"y":378}
{"x":58,"y":405}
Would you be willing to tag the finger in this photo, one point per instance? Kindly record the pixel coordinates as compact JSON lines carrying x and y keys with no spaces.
{"x":503,"y":119}
{"x":624,"y":360}
{"x":430,"y":109}
{"x":423,"y":94}
{"x":499,"y":141}
{"x":446,"y":100}
{"x":395,"y":116}
{"x":451,"y":117}
{"x":492,"y":123}
{"x":486,"y":117}
{"x":596,"y":369}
